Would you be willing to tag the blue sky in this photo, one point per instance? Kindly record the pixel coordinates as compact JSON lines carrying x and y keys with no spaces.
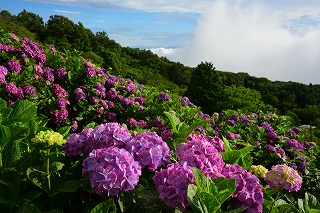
{"x":277,"y":39}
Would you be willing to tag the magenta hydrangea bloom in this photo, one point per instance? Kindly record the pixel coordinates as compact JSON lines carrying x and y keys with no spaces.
{"x":106,"y":135}
{"x":60,"y":72}
{"x":75,"y":144}
{"x":111,"y":170}
{"x":11,"y":88}
{"x":79,"y":95}
{"x":59,"y":116}
{"x":58,"y":91}
{"x":149,"y":150}
{"x":28,"y":90}
{"x":172,"y":184}
{"x":282,"y":176}
{"x":3,"y":70}
{"x":215,"y":141}
{"x":249,"y":190}
{"x":201,"y":154}
{"x":14,"y":66}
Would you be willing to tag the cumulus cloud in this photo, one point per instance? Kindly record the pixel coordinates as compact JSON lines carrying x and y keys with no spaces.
{"x":259,"y":40}
{"x":167,"y":52}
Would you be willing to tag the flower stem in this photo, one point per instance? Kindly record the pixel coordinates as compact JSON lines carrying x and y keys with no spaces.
{"x":48,"y":170}
{"x":274,"y":201}
{"x":0,"y":159}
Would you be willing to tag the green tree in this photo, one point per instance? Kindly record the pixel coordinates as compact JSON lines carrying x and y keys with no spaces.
{"x":206,"y":87}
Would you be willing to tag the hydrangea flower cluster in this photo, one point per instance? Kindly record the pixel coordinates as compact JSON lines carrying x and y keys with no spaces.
{"x":233,"y":136}
{"x":172,"y":184}
{"x":271,"y":134}
{"x":149,"y":150}
{"x":102,"y":136}
{"x":203,"y":155}
{"x":49,"y":137}
{"x":259,"y":171}
{"x":249,"y":190}
{"x":111,"y":170}
{"x":215,"y":141}
{"x":283,"y":177}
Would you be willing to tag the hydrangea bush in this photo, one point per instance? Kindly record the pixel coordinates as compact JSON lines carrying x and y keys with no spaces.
{"x":108,"y":140}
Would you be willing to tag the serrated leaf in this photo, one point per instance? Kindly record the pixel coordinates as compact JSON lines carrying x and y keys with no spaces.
{"x":69,"y":186}
{"x":56,"y":166}
{"x":22,"y":111}
{"x":5,"y":135}
{"x":37,"y":177}
{"x":4,"y":113}
{"x":64,"y":131}
{"x":201,"y":180}
{"x":226,"y":144}
{"x":15,"y":153}
{"x":29,"y":208}
{"x":107,"y":206}
{"x":194,"y":199}
{"x":301,"y":205}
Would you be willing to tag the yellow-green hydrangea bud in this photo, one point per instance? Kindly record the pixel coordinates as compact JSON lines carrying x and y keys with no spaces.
{"x":259,"y":171}
{"x":49,"y":137}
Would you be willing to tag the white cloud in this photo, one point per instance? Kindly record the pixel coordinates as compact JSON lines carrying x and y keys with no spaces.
{"x":167,"y":52}
{"x":65,"y":11}
{"x":250,"y":38}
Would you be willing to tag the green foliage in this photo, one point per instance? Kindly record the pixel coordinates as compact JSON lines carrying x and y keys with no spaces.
{"x":207,"y":196}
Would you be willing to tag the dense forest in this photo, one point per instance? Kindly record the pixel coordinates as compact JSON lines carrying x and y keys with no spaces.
{"x":211,"y":89}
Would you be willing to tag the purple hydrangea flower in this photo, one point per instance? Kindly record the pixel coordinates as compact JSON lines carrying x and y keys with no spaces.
{"x":201,"y":154}
{"x":249,"y":190}
{"x":75,"y":144}
{"x":172,"y":184}
{"x":111,"y":170}
{"x":106,"y":135}
{"x":48,"y":75}
{"x":140,"y":100}
{"x":3,"y":70}
{"x":267,"y":127}
{"x":112,"y":80}
{"x":272,"y":135}
{"x":131,"y":122}
{"x":165,"y":134}
{"x":235,"y":117}
{"x":215,"y":141}
{"x":244,"y":120}
{"x":59,"y":116}
{"x":62,"y":103}
{"x":149,"y":150}
{"x":204,"y":116}
{"x":2,"y":78}
{"x":10,"y":88}
{"x":58,"y":91}
{"x":283,"y":177}
{"x":111,"y":116}
{"x":74,"y":126}
{"x":28,"y":90}
{"x":14,"y":66}
{"x":60,"y":72}
{"x":94,"y":100}
{"x":112,"y":94}
{"x":130,"y":88}
{"x":100,"y":90}
{"x":90,"y":72}
{"x":231,"y":122}
{"x":79,"y":95}
{"x":164,"y":96}
{"x":293,"y":143}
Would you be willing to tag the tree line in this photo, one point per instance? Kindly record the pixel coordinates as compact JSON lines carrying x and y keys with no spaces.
{"x":211,"y":89}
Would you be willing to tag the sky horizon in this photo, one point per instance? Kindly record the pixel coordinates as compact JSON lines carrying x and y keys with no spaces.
{"x":278,"y":40}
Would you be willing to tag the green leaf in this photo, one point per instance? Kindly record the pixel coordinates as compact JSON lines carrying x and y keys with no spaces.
{"x":105,"y":207}
{"x":210,"y":201}
{"x":173,"y":120}
{"x":311,"y":201}
{"x":226,"y":187}
{"x":194,"y":199}
{"x":37,"y":177}
{"x":301,"y":205}
{"x":22,"y":111}
{"x":91,"y":125}
{"x":56,"y":166}
{"x":69,"y":186}
{"x":29,"y":208}
{"x":18,"y":132}
{"x":226,"y":144}
{"x":5,"y":135}
{"x":4,"y":113}
{"x":201,"y":180}
{"x":64,"y":131}
{"x":3,"y":103}
{"x":15,"y":153}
